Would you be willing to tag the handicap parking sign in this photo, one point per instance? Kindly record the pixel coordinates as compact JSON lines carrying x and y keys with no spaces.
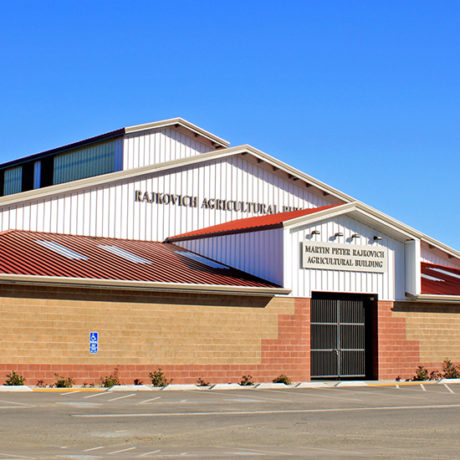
{"x":93,"y":337}
{"x":93,"y":347}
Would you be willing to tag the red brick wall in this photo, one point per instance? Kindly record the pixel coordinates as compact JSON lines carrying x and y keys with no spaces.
{"x":397,"y":356}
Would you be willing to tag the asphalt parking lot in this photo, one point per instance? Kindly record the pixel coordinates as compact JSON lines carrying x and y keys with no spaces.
{"x":348,"y":422}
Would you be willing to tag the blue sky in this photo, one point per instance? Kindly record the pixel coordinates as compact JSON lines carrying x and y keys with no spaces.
{"x":364,"y":96}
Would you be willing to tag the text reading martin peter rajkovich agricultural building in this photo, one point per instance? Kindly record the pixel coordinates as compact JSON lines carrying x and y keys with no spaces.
{"x":159,"y":245}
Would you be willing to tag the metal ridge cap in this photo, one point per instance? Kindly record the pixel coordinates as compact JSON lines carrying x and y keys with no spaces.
{"x":94,"y":283}
{"x":181,"y":121}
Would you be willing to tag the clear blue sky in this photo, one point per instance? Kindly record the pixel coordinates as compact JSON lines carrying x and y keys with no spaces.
{"x":363,"y":95}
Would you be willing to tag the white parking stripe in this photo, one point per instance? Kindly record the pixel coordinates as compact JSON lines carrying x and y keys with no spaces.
{"x":122,"y":397}
{"x":15,"y":456}
{"x":93,"y":448}
{"x":150,"y":453}
{"x":69,"y":393}
{"x":148,"y":400}
{"x":422,"y":386}
{"x":269,"y":412}
{"x":122,"y":450}
{"x":450,"y":389}
{"x":96,"y":394}
{"x":12,"y":402}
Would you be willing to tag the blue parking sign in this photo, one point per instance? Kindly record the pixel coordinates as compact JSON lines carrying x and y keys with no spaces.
{"x":93,"y":347}
{"x":93,"y":337}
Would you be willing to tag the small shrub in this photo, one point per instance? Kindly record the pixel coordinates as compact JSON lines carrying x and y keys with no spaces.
{"x":421,"y":373}
{"x":137,"y":382}
{"x":14,"y":379}
{"x":435,"y":375}
{"x":282,"y":379}
{"x":159,"y":379}
{"x":40,"y":384}
{"x":62,"y":382}
{"x":202,"y":382}
{"x":246,"y":380}
{"x":110,"y":380}
{"x":450,"y":371}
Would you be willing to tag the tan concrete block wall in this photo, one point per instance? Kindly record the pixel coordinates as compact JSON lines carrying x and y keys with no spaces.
{"x":45,"y":331}
{"x":174,"y":329}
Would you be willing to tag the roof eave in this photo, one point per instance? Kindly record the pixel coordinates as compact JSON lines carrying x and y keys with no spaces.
{"x":92,"y":283}
{"x":181,"y":122}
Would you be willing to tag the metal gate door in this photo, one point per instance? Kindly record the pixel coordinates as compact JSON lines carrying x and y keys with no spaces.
{"x":338,"y":338}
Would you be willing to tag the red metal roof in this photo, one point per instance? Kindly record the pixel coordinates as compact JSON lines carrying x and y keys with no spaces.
{"x":20,"y":254}
{"x":446,"y":282}
{"x":249,"y":224}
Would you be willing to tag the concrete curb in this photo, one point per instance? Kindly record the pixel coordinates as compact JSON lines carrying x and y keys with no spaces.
{"x":10,"y":388}
{"x":272,"y":386}
{"x":225,"y":386}
{"x":130,"y":388}
{"x":231,"y":386}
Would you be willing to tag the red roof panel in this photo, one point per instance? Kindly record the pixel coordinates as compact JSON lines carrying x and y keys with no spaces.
{"x":446,"y":279}
{"x":20,"y":254}
{"x":249,"y":223}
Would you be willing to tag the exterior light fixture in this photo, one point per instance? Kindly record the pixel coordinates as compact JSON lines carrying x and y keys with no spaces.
{"x":315,"y":232}
{"x":355,"y":235}
{"x":336,"y":234}
{"x":377,"y":238}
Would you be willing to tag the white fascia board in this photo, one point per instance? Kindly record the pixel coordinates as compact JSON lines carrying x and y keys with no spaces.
{"x":355,"y":211}
{"x":434,"y":298}
{"x":409,"y":230}
{"x":93,"y":283}
{"x":178,"y":121}
{"x":295,"y":172}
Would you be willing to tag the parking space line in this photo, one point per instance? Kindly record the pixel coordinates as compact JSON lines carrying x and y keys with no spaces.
{"x":93,"y":448}
{"x":96,"y":394}
{"x":450,"y":389}
{"x":12,"y":402}
{"x":150,"y":453}
{"x":422,"y":387}
{"x":122,"y":397}
{"x":270,"y":412}
{"x":122,"y":450}
{"x":69,"y":393}
{"x":148,"y":400}
{"x":15,"y":456}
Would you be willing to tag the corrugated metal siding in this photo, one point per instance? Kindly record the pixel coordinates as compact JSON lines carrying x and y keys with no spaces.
{"x":435,"y":256}
{"x":258,"y":253}
{"x":388,"y":286}
{"x":158,"y":146}
{"x":86,"y":162}
{"x":12,"y":181}
{"x":110,"y":210}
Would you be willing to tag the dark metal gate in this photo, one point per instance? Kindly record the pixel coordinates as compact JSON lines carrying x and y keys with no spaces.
{"x":338,"y":337}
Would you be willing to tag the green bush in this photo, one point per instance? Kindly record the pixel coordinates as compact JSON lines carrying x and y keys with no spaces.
{"x":110,"y":380}
{"x":282,"y":379}
{"x":421,"y":373}
{"x":14,"y":379}
{"x":246,"y":380}
{"x":63,"y":382}
{"x":202,"y":382}
{"x":159,"y":379}
{"x":450,"y":371}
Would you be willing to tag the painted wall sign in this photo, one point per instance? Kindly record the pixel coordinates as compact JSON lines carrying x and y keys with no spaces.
{"x":210,"y":203}
{"x":348,"y":257}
